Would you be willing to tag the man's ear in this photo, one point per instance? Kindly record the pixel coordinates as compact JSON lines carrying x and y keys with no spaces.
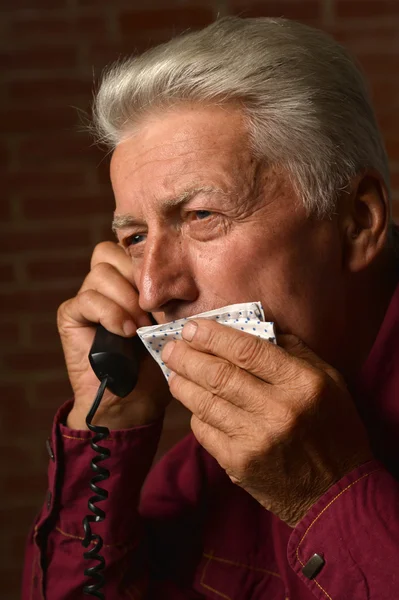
{"x":365,"y":219}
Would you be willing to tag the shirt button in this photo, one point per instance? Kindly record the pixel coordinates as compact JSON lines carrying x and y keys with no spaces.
{"x":49,"y":449}
{"x":49,"y":496}
{"x":313,"y":566}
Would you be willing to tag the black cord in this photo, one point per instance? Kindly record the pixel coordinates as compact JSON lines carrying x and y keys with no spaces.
{"x":95,"y":572}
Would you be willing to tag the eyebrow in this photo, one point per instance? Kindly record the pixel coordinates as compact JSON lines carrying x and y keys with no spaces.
{"x":128,"y":220}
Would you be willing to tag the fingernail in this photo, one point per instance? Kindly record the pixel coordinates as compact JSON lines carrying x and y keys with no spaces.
{"x":129,"y":327}
{"x":167,"y":351}
{"x":189,"y":330}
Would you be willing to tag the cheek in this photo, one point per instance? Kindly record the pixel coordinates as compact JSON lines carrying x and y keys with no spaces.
{"x":230,"y":270}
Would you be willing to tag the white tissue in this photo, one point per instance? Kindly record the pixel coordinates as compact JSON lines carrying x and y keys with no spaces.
{"x":247,"y":317}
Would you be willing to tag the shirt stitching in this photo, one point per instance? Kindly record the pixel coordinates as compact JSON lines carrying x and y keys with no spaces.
{"x":208,"y":587}
{"x":319,"y":515}
{"x":238,"y":564}
{"x":81,"y":439}
{"x":81,"y":538}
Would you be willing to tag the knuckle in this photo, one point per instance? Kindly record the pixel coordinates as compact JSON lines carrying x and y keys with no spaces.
{"x":100,"y":252}
{"x":247,"y":349}
{"x":86,"y":296}
{"x":293,"y":340}
{"x":204,"y":407}
{"x":175,"y":385}
{"x":218,"y":377}
{"x":102,"y":268}
{"x":61,"y":311}
{"x":238,"y":471}
{"x":317,"y":383}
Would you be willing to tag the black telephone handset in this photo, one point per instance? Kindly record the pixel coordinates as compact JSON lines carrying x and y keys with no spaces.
{"x":115,"y":361}
{"x":116,"y":358}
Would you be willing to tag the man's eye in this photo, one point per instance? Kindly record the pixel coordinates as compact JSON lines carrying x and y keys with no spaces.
{"x":202,"y":214}
{"x":133,"y":240}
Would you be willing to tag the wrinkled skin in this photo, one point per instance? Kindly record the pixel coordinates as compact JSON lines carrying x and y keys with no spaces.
{"x":200,"y":225}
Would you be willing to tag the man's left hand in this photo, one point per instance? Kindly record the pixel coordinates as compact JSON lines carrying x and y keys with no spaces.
{"x":278,"y":419}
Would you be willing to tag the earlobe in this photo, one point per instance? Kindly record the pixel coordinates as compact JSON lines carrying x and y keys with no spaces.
{"x":366,"y":219}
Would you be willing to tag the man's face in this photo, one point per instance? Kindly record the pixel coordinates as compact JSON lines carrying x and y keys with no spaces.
{"x":210,"y":226}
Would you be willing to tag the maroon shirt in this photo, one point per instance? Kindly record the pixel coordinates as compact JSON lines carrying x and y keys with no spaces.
{"x":194,"y":534}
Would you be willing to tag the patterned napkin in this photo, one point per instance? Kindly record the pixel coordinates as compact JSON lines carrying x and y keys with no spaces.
{"x":247,"y":317}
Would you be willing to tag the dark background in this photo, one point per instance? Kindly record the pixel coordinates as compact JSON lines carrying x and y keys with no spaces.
{"x":57,"y":203}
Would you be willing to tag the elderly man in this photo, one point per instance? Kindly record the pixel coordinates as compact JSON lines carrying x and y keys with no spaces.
{"x":247,"y":166}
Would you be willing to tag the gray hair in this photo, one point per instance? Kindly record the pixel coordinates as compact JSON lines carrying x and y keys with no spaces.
{"x":305,"y":100}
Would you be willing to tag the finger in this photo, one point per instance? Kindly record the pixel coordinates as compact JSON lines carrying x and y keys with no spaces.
{"x":113,"y":254}
{"x":253,"y":354}
{"x":217,"y":443}
{"x":207,"y":407}
{"x":216,"y":375}
{"x":92,"y":307}
{"x":108,"y":281}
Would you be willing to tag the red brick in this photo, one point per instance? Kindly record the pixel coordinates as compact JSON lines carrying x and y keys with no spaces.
{"x":291,"y":9}
{"x":7,"y":273}
{"x":13,"y":393}
{"x":379,"y":64}
{"x":392,"y":147}
{"x":53,"y":393}
{"x":38,"y":207}
{"x":11,"y":579}
{"x":104,"y":232}
{"x":33,"y":4}
{"x":10,"y":516}
{"x":395,"y":180}
{"x":9,"y":332}
{"x":358,"y":37}
{"x":4,"y":152}
{"x":65,"y":29}
{"x":18,"y":484}
{"x":172,"y":18}
{"x":389,"y":120}
{"x":42,"y":179}
{"x":49,"y":90}
{"x":44,"y":333}
{"x":4,"y":208}
{"x":40,"y":58}
{"x":19,"y":455}
{"x":103,"y":53}
{"x":33,"y":361}
{"x":61,"y":149}
{"x":17,"y":240}
{"x":348,"y":9}
{"x":384,"y":93}
{"x":124,"y":3}
{"x":23,"y":120}
{"x":34,"y":301}
{"x":45,"y":270}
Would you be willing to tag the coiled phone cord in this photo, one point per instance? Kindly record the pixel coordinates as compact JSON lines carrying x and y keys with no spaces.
{"x":101,"y":473}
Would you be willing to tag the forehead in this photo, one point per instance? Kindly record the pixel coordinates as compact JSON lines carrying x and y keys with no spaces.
{"x":186,"y":146}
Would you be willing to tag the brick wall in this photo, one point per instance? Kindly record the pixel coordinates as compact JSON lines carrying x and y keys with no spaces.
{"x":56,"y":197}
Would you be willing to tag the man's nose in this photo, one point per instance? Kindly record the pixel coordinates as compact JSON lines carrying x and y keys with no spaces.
{"x":165,"y":274}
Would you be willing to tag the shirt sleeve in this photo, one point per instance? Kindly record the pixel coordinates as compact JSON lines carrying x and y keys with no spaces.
{"x":54,"y":563}
{"x":354,"y":530}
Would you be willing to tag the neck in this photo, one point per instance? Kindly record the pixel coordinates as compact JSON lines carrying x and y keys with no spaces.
{"x":368,"y":298}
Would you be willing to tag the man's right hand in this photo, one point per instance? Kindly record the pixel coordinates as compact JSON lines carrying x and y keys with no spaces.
{"x":107,"y":296}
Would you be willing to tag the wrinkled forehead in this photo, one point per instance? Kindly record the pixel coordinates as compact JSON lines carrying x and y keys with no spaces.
{"x":201,"y":146}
